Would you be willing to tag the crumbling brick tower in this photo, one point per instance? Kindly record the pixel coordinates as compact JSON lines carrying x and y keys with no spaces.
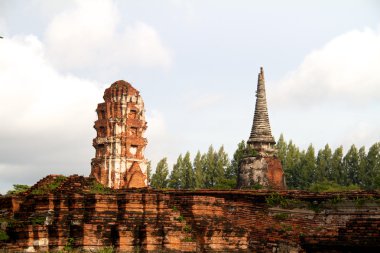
{"x":264,"y":168}
{"x":119,"y":160}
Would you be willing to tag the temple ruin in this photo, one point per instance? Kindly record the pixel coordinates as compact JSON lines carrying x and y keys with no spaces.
{"x":263,"y":167}
{"x":119,"y":160}
{"x":109,"y":211}
{"x":73,"y":216}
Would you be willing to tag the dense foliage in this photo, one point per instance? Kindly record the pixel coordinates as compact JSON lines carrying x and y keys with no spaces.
{"x":325,"y":170}
{"x":18,"y":188}
{"x":329,"y":169}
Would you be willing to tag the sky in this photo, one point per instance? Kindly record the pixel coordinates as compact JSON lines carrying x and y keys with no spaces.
{"x":195,"y":63}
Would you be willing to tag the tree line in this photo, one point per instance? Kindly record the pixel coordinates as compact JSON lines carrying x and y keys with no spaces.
{"x":304,"y":169}
{"x":327,"y":168}
{"x":208,"y":170}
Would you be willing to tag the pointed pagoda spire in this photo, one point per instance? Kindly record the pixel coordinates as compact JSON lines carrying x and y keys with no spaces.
{"x":261,"y":136}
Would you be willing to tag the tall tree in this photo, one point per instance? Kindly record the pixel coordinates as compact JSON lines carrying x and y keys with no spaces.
{"x":362,"y":166}
{"x":323,"y":168}
{"x":282,"y":149}
{"x":351,"y":166}
{"x":337,"y":166}
{"x":232,"y":171}
{"x":292,"y":156}
{"x":198,"y":164}
{"x":159,"y":178}
{"x":187,"y":173}
{"x":210,"y":168}
{"x":292,"y":166}
{"x":372,"y":179}
{"x":175,"y":175}
{"x":307,"y":170}
{"x":222,"y":165}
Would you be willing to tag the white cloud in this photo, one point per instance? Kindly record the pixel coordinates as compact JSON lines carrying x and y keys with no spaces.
{"x":36,"y":95}
{"x":89,"y":36}
{"x":46,"y":116}
{"x":345,"y":69}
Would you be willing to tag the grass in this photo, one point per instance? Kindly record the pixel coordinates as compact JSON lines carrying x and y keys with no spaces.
{"x":3,"y":236}
{"x":276,"y":199}
{"x":98,"y":188}
{"x":110,"y":249}
{"x":281,"y":216}
{"x":45,"y":189}
{"x":187,"y":229}
{"x":69,"y":244}
{"x":38,"y":220}
{"x":180,"y":218}
{"x":18,"y":188}
{"x":327,"y":186}
{"x":286,"y":228}
{"x":188,"y":239}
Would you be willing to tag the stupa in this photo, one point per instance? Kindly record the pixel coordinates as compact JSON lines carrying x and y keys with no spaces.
{"x":119,"y":160}
{"x":263,"y":168}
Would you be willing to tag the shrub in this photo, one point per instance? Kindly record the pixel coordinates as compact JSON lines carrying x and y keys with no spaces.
{"x":327,"y":186}
{"x":187,"y":229}
{"x":69,"y":244}
{"x":188,"y":239}
{"x":44,"y":189}
{"x":18,"y":188}
{"x":38,"y":220}
{"x":106,"y":250}
{"x":281,"y":216}
{"x":98,"y":188}
{"x":276,"y":199}
{"x":3,"y":236}
{"x":180,"y":218}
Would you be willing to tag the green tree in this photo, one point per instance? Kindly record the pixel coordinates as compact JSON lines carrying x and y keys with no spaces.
{"x":292,"y":156}
{"x":291,"y":166}
{"x":211,"y":169}
{"x":187,"y":173}
{"x":232,"y":171}
{"x":337,"y":166}
{"x":323,"y":167}
{"x":222,"y":166}
{"x":18,"y":188}
{"x":362,"y":166}
{"x":307,"y":171}
{"x":351,"y":166}
{"x":282,"y":147}
{"x":372,"y":180}
{"x":159,"y":178}
{"x":175,"y":175}
{"x":198,"y":165}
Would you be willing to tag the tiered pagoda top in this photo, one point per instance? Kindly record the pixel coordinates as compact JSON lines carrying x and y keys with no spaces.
{"x":261,"y":138}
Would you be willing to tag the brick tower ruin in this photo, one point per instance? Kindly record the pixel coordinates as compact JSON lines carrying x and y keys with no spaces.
{"x":119,"y":160}
{"x":263,"y":168}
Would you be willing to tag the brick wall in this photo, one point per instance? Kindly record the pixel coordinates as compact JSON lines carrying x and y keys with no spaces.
{"x":193,"y":221}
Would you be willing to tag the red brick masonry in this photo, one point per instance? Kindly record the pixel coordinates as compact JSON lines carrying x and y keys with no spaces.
{"x":120,"y":143}
{"x":190,"y":221}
